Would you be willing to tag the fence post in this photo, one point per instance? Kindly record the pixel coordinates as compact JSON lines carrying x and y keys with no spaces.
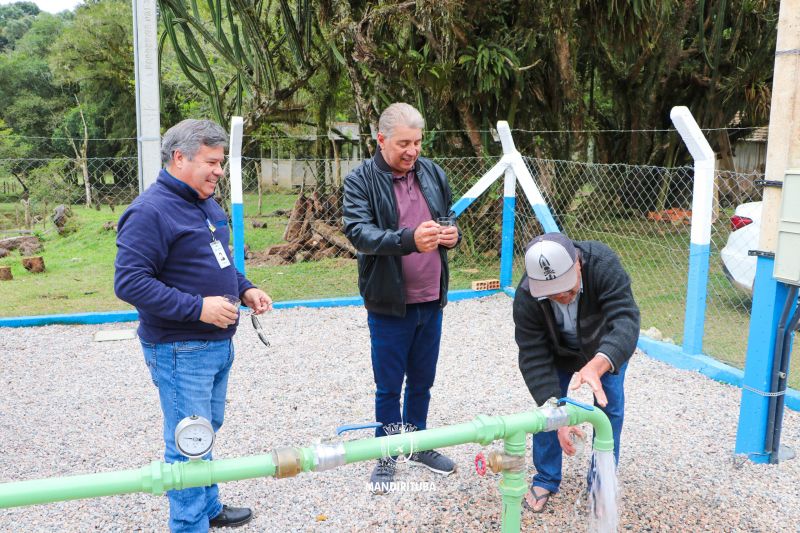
{"x":509,"y":208}
{"x":699,"y":248}
{"x":237,"y":209}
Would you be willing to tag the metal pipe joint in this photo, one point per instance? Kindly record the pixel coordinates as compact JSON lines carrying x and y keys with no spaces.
{"x":288,"y":461}
{"x":499,"y":461}
{"x":329,"y":456}
{"x":555,"y":416}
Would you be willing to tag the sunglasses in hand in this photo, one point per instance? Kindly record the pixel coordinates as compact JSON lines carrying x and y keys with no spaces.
{"x":259,"y":329}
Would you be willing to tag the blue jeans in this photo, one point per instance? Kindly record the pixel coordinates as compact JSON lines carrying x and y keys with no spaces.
{"x":546,"y":449}
{"x":405,"y":347}
{"x":192,"y":379}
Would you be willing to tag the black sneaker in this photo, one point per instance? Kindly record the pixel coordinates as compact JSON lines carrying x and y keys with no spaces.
{"x":434,"y":461}
{"x":231,"y":517}
{"x":382,"y":476}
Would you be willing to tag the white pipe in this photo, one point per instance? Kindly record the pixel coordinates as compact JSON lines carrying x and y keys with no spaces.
{"x":235,"y":159}
{"x":703,"y":189}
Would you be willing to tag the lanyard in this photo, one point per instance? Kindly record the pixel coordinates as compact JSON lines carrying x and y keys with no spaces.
{"x":209,"y":224}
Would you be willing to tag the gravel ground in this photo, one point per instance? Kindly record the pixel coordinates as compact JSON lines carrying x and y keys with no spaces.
{"x":71,"y":406}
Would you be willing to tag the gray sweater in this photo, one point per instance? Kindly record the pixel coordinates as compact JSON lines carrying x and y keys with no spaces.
{"x":608,"y":322}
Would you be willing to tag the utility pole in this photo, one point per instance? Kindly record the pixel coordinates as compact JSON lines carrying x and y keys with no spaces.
{"x":148,"y":102}
{"x":770,"y":296}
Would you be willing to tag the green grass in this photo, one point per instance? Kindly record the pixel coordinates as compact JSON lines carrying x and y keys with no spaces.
{"x":80,"y":271}
{"x":79,"y":274}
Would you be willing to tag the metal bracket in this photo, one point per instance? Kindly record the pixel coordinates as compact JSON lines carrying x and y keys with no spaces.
{"x":759,"y":253}
{"x":769,"y":183}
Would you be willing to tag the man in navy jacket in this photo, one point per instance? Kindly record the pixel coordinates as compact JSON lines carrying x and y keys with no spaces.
{"x":174,"y":266}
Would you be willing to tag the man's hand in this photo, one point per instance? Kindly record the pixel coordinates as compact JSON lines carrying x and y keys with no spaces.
{"x":257,"y":300}
{"x":426,"y":236}
{"x":564,"y":440}
{"x":218,"y":311}
{"x":591,"y":374}
{"x":448,"y":236}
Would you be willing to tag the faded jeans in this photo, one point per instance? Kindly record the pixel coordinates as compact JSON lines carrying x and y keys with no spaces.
{"x":546,"y":449}
{"x":192,"y":379}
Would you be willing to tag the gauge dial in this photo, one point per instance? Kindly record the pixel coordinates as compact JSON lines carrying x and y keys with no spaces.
{"x":194,"y":437}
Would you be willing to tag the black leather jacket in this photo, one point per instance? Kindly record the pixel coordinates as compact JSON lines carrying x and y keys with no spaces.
{"x":370,"y":223}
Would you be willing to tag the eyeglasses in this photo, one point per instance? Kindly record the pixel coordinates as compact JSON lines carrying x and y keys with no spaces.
{"x":259,"y":329}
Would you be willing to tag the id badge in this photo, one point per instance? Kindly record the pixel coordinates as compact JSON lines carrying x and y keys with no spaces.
{"x":219,"y":253}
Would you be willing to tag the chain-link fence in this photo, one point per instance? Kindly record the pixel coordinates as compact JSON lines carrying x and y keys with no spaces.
{"x":31,"y":190}
{"x":644,"y":214}
{"x":295,"y":232}
{"x":296,"y":250}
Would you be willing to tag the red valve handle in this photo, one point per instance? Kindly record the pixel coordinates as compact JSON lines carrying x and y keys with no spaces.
{"x":480,"y":464}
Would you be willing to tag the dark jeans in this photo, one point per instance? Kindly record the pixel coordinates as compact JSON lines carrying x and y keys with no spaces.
{"x":405,"y":347}
{"x":546,"y":449}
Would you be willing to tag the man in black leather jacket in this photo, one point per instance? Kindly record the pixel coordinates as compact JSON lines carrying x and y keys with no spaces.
{"x":393,"y":206}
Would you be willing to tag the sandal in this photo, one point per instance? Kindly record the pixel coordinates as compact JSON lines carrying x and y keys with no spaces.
{"x":536,"y":499}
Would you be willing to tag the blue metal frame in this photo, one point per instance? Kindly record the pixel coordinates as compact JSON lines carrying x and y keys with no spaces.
{"x":768,"y":298}
{"x":507,"y":241}
{"x":131,"y":316}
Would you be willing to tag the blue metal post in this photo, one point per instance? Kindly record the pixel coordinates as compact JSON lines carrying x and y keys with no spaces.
{"x":237,"y":214}
{"x":696,"y":293}
{"x":507,"y":242}
{"x":237,"y":198}
{"x":699,"y":248}
{"x":768,"y":299}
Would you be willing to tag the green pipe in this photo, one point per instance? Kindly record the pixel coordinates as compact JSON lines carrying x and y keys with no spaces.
{"x":155,"y":478}
{"x":158,"y":477}
{"x":513,"y":486}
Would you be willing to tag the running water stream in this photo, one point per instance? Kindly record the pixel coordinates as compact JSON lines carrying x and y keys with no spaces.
{"x":604,"y":494}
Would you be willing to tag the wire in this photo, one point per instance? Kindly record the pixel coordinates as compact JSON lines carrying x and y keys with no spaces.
{"x":636,"y":131}
{"x":108,"y":139}
{"x":369,"y":135}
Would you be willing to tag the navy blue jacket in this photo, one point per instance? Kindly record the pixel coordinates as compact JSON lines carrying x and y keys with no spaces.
{"x":165,"y":264}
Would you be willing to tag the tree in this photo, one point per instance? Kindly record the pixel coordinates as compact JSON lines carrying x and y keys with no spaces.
{"x":245,"y":56}
{"x":92,"y":61}
{"x":15,"y":20}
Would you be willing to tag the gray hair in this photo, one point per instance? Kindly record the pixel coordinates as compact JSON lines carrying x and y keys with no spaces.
{"x":189,"y":135}
{"x":399,"y":114}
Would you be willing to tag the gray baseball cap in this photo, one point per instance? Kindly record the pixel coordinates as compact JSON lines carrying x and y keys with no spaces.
{"x":550,"y":263}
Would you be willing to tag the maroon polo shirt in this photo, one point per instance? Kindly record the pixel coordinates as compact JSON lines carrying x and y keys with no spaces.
{"x":421,"y":272}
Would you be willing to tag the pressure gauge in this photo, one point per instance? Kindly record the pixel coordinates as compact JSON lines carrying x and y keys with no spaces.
{"x":194,"y":437}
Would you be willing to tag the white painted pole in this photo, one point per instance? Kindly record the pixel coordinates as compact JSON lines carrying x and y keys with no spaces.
{"x":148,"y":104}
{"x":699,"y":247}
{"x":237,"y":205}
